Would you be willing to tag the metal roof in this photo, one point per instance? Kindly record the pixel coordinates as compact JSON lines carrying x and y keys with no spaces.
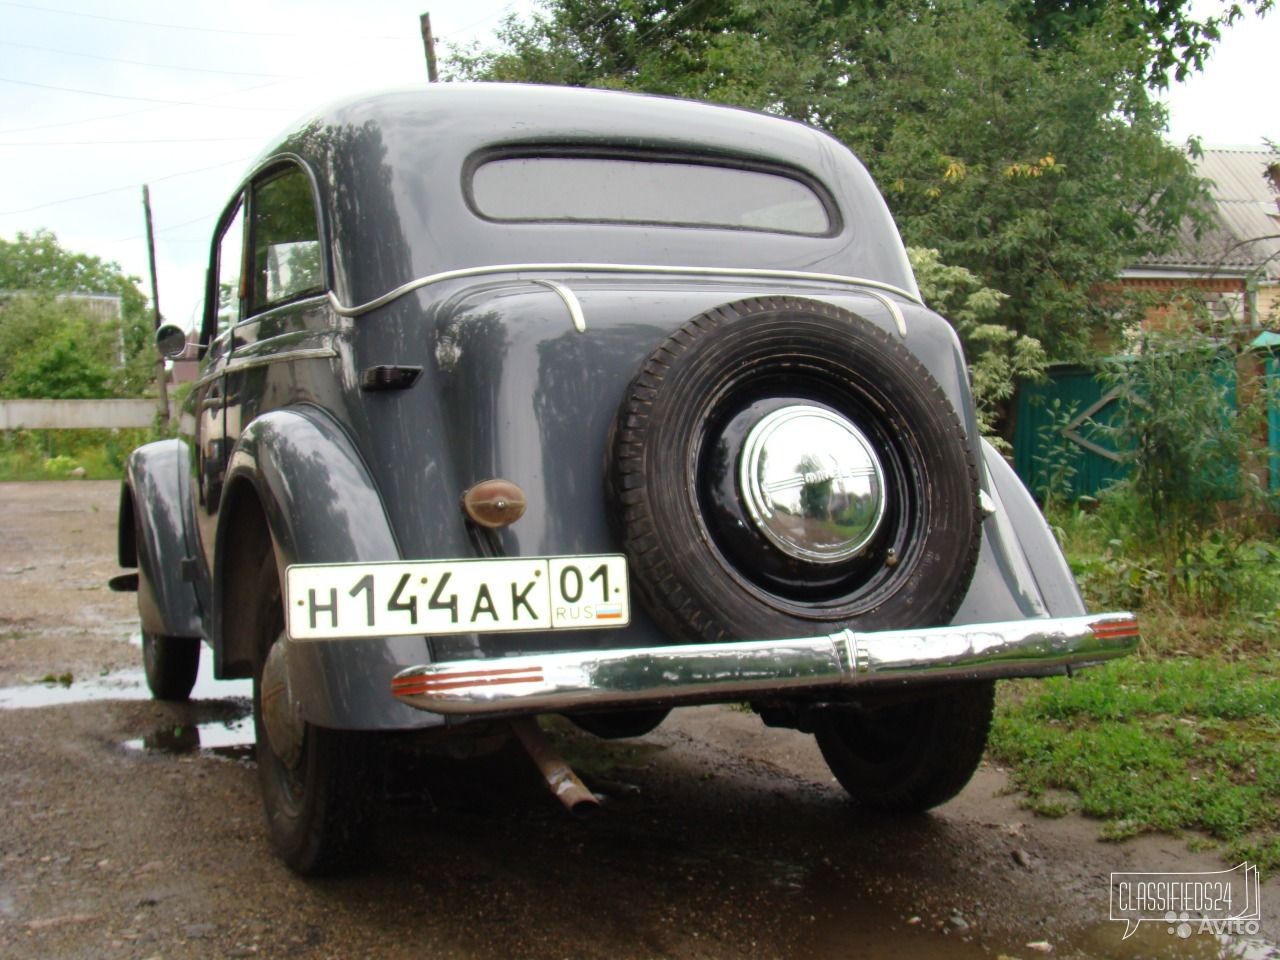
{"x":1243,"y":237}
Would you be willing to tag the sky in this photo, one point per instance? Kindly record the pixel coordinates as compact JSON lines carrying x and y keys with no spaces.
{"x":97,"y":99}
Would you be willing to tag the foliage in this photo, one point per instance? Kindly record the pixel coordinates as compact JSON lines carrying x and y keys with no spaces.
{"x":66,"y":351}
{"x":1155,"y":744}
{"x":55,"y":349}
{"x":1229,"y":580}
{"x":1040,"y":166}
{"x":55,"y":454}
{"x":1057,"y":457}
{"x":1176,"y":40}
{"x":37,"y":263}
{"x":1189,"y":500}
{"x":998,"y":357}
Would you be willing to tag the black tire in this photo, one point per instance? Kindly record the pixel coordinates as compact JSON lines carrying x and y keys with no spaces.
{"x":171,"y":665}
{"x":909,"y":757}
{"x":620,"y":724}
{"x":699,"y":567}
{"x":317,"y":806}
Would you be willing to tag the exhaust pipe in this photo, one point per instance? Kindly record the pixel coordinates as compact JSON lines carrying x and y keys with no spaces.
{"x":564,"y":783}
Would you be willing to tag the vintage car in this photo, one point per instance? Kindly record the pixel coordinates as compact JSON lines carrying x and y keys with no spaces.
{"x":523,"y":400}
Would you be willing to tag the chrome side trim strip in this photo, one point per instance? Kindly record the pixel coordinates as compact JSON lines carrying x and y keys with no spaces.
{"x":729,"y":273}
{"x":570,"y":300}
{"x":246,"y":362}
{"x":729,"y":671}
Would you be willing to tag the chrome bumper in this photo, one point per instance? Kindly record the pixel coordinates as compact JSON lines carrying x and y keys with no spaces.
{"x":742,"y":670}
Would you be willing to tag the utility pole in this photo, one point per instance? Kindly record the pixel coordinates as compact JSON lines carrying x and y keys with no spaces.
{"x":429,"y":46}
{"x":162,"y":374}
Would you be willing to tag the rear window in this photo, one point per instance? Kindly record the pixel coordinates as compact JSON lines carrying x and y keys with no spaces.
{"x":629,"y":190}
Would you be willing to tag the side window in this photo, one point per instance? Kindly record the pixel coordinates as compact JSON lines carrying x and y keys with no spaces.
{"x":286,"y":240}
{"x":230,"y":265}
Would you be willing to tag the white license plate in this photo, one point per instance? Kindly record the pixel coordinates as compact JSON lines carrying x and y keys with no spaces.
{"x":351,"y":600}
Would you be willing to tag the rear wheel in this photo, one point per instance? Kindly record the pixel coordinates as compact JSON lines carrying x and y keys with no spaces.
{"x":908,"y":757}
{"x":315,"y":782}
{"x":171,"y":665}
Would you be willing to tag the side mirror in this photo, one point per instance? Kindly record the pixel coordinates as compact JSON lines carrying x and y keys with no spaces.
{"x":171,"y":341}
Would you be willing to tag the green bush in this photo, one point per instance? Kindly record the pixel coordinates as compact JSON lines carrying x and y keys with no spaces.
{"x":54,"y":454}
{"x":1231,"y":572}
{"x":1188,"y":520}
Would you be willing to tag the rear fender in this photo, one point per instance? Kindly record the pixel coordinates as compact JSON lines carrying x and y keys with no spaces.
{"x":297,"y":473}
{"x":152,"y":507}
{"x":1021,"y":570}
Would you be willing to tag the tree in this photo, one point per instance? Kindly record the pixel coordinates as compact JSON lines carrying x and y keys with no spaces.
{"x":999,"y":358}
{"x":42,"y":335}
{"x":1175,"y":39}
{"x":1019,"y":141}
{"x":55,"y":349}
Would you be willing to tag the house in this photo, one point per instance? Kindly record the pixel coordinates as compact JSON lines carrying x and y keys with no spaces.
{"x":1235,"y":262}
{"x":1233,"y":265}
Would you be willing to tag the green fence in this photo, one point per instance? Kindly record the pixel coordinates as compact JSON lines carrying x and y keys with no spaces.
{"x":1069,"y":416}
{"x":1273,"y":418}
{"x":1090,"y":406}
{"x":1270,"y":343}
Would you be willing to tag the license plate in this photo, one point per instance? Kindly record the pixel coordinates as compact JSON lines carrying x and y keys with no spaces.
{"x":339,"y":601}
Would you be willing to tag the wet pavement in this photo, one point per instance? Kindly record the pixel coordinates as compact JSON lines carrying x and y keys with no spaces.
{"x":702,"y":849}
{"x":220,"y":712}
{"x":132,"y":829}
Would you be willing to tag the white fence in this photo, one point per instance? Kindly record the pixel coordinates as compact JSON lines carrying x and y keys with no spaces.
{"x":76,"y":414}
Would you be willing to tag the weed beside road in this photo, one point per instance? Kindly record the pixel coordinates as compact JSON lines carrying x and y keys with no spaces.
{"x":1182,"y":737}
{"x":63,"y":454}
{"x":1152,"y":743}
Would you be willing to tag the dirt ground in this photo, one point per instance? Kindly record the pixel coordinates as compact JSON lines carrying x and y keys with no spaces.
{"x":132,"y":828}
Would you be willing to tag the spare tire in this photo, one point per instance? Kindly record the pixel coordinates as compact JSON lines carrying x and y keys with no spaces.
{"x":783,"y":467}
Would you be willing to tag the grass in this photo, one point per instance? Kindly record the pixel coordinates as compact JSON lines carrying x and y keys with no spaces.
{"x":1182,"y":738}
{"x":63,"y":454}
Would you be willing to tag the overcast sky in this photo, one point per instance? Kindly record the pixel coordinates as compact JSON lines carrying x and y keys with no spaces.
{"x":97,"y":99}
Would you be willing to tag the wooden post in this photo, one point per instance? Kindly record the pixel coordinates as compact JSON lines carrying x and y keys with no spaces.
{"x":162,"y":374}
{"x":429,"y":46}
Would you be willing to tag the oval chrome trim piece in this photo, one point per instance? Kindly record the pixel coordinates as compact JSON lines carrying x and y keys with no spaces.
{"x":749,"y":273}
{"x":812,"y":484}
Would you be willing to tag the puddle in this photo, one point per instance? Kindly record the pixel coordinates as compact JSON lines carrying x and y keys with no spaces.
{"x":231,"y":738}
{"x":122,"y":685}
{"x":1159,"y":940}
{"x":220,"y":723}
{"x":866,"y":925}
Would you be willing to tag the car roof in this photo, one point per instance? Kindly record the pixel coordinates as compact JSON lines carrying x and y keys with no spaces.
{"x":390,"y":170}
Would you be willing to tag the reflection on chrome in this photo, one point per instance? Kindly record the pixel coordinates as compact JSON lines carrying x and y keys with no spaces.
{"x":812,"y":484}
{"x":723,"y":671}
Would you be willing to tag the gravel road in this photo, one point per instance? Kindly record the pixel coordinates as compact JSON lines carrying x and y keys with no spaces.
{"x":132,"y":829}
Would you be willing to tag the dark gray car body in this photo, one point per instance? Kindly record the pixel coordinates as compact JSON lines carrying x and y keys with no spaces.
{"x":279,"y":428}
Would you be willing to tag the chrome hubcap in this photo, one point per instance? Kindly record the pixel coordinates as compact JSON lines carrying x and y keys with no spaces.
{"x":812,"y":484}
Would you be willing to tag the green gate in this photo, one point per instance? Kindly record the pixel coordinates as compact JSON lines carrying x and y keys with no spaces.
{"x":1066,"y":418}
{"x":1270,"y":342}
